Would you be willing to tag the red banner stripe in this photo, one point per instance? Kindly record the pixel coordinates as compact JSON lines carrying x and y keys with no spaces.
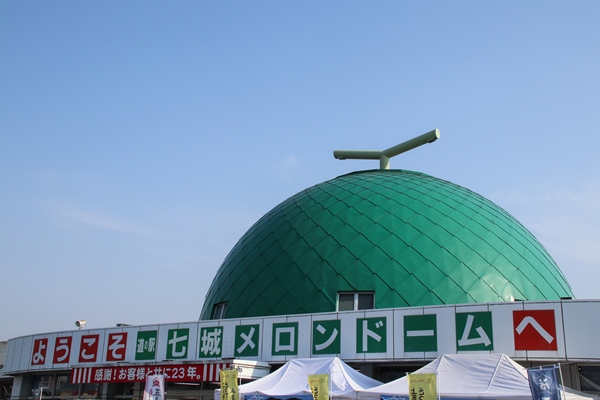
{"x":137,"y":373}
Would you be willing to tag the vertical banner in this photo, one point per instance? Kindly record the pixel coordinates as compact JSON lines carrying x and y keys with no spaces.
{"x":319,"y":386}
{"x":155,"y":388}
{"x":229,"y":384}
{"x":543,"y":383}
{"x":422,"y":386}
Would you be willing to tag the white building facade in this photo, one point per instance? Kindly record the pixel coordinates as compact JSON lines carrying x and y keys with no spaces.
{"x":112,"y":363}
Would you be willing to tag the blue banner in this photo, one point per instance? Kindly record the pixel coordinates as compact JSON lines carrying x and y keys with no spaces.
{"x":543,"y":383}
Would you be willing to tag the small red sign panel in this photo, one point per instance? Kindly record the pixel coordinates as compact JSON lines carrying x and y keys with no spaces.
{"x":62,"y":349}
{"x":40,"y":347}
{"x":88,"y":351}
{"x":116,"y":346}
{"x":534,"y":330}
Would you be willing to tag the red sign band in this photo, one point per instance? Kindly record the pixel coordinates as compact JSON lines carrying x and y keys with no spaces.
{"x":137,"y":373}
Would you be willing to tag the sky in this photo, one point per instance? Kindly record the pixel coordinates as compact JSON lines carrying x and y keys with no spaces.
{"x":139,"y":140}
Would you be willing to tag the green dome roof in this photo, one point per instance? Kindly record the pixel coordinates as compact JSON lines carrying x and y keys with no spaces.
{"x":412,"y":239}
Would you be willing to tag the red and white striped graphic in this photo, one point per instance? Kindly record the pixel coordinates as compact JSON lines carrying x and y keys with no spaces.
{"x":81,"y":375}
{"x":212,"y":372}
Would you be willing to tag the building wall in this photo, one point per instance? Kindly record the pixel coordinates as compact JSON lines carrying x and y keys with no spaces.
{"x":392,"y":340}
{"x":525,"y":331}
{"x":6,"y":382}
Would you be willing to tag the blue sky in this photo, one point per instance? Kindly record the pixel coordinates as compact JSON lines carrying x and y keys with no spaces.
{"x":140,"y":140}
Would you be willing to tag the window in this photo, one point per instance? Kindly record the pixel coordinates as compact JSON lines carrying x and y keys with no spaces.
{"x":90,"y":390}
{"x":64,"y":387}
{"x":589,"y":378}
{"x":60,"y":386}
{"x":46,"y":382}
{"x":349,"y":301}
{"x":124,"y":389}
{"x":219,"y":311}
{"x":5,"y":390}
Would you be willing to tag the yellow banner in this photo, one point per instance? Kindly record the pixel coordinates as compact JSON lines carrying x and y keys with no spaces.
{"x":422,"y":387}
{"x":319,"y":386}
{"x":229,"y":384}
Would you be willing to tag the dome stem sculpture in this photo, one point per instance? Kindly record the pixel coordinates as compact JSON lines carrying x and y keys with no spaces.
{"x":384,"y":155}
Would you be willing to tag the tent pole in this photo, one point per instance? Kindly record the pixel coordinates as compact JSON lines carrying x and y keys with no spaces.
{"x":331,"y":388}
{"x":564,"y":394}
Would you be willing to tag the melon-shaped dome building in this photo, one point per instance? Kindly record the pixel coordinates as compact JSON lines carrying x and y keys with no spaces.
{"x":408,"y":238}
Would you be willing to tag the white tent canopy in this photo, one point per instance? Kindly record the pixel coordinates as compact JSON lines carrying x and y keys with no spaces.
{"x":292,"y":379}
{"x":472,"y":376}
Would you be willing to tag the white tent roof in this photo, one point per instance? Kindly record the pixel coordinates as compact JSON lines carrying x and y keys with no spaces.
{"x":472,"y":376}
{"x":292,"y":379}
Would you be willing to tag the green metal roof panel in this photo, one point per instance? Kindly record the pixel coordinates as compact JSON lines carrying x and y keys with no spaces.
{"x":413,"y":239}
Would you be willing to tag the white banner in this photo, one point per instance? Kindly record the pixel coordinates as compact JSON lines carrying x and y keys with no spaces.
{"x":155,"y":387}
